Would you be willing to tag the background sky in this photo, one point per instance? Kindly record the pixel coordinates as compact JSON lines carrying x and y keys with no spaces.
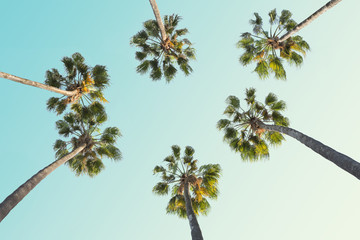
{"x":296,"y":194}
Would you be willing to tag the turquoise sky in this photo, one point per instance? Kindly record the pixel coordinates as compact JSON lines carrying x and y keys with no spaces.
{"x":296,"y":194}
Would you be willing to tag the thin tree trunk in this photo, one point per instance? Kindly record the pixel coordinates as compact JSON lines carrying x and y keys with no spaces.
{"x":13,"y":199}
{"x":309,"y":19}
{"x":36,"y":84}
{"x":346,"y":163}
{"x":194,"y":225}
{"x":158,"y":19}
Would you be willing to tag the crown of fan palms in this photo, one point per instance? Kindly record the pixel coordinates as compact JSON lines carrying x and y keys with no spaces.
{"x":203,"y":182}
{"x":89,"y":82}
{"x":265,"y":49}
{"x":241,"y":130}
{"x":158,"y":56}
{"x":82,"y":124}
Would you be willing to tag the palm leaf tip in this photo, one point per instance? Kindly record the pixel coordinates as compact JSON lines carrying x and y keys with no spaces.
{"x":223,"y":123}
{"x":189,"y":151}
{"x":161,"y":188}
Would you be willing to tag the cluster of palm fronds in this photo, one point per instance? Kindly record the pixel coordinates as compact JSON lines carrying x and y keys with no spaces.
{"x":182,"y":172}
{"x":158,"y":55}
{"x":267,"y":50}
{"x":242,"y":130}
{"x":88,"y":82}
{"x":83,"y":125}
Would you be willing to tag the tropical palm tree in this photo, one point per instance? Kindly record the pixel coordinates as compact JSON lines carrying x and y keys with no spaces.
{"x":83,"y":152}
{"x":250,"y":131}
{"x":88,"y":83}
{"x":190,"y":186}
{"x":159,"y":55}
{"x":263,"y":47}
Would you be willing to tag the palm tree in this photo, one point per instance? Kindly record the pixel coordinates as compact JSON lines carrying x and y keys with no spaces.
{"x":88,"y":82}
{"x":261,"y":46}
{"x":159,"y":54}
{"x":266,"y":51}
{"x":251,"y":131}
{"x":83,"y":152}
{"x":186,"y":179}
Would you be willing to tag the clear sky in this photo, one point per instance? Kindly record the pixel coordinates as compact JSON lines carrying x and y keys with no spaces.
{"x":296,"y":194}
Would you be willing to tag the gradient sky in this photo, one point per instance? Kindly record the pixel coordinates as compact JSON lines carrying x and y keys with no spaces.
{"x":296,"y":194}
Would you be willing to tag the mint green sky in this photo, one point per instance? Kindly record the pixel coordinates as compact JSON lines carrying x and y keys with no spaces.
{"x":296,"y":194}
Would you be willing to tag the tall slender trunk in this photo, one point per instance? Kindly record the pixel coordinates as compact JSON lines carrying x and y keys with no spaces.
{"x":308,"y":20}
{"x":194,"y":225}
{"x":158,"y":19}
{"x":36,"y":84}
{"x":346,"y":163}
{"x":13,"y":199}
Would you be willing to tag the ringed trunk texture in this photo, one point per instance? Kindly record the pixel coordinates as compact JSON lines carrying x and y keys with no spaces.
{"x":36,"y":84}
{"x":308,"y":20}
{"x":13,"y":199}
{"x":194,"y":225}
{"x":158,"y":19}
{"x":346,"y":163}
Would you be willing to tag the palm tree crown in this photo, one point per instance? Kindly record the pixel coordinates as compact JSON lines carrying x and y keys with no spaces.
{"x":203,"y":182}
{"x":89,"y":82}
{"x":159,"y":56}
{"x":83,"y":125}
{"x":265,"y":49}
{"x":242,"y":131}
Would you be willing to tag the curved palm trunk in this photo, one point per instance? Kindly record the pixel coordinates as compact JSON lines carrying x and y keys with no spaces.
{"x":346,"y":163}
{"x":308,"y":20}
{"x":13,"y":199}
{"x":194,"y":225}
{"x":158,"y":19}
{"x":36,"y":84}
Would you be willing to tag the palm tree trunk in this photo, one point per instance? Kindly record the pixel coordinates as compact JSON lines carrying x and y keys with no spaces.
{"x":194,"y":225}
{"x":346,"y":163}
{"x":36,"y":84}
{"x":13,"y":199}
{"x":158,"y":19}
{"x":307,"y":21}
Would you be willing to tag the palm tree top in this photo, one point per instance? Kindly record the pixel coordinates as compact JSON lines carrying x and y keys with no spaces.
{"x":265,"y":49}
{"x":177,"y":172}
{"x":88,"y":82}
{"x":82,"y":125}
{"x":160,"y":56}
{"x":242,"y":131}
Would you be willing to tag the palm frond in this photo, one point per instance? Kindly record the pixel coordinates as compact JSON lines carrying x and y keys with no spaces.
{"x":161,"y":188}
